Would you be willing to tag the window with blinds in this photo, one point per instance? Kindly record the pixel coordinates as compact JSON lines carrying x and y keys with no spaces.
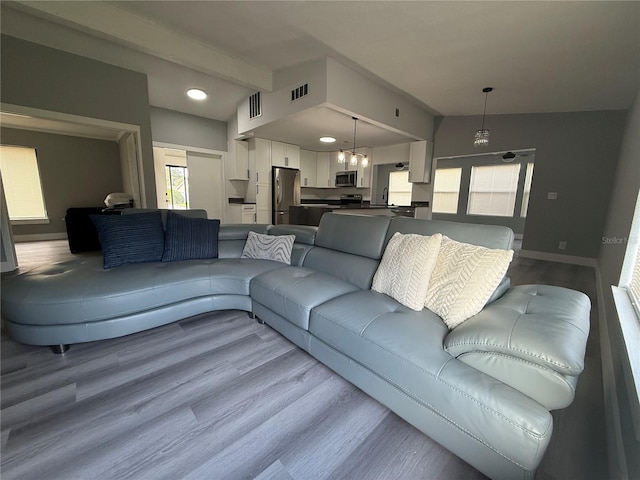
{"x":492,"y":190}
{"x":22,"y":185}
{"x":630,"y":276}
{"x":399,"y":188}
{"x":446,"y":190}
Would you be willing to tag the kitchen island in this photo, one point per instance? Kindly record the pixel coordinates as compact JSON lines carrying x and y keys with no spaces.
{"x":310,"y":214}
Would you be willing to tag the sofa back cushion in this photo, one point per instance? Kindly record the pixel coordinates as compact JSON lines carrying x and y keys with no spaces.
{"x":490,"y":236}
{"x":305,"y":239}
{"x":191,"y":213}
{"x":349,"y":247}
{"x":232,"y":238}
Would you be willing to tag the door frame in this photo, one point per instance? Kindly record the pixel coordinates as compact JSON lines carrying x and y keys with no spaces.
{"x":204,"y":151}
{"x":128,"y":139}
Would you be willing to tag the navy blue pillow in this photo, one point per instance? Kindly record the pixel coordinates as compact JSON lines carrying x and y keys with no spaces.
{"x":190,"y":238}
{"x":135,"y":238}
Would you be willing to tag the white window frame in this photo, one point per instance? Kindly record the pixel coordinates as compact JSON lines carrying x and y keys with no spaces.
{"x":627,"y":305}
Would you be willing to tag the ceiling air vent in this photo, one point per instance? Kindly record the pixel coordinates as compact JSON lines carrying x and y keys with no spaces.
{"x":301,"y":91}
{"x":255,"y":105}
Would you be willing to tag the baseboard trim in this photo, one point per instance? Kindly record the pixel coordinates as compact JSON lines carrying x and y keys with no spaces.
{"x":39,"y":237}
{"x":557,"y":257}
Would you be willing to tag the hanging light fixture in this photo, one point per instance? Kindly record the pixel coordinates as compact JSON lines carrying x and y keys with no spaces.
{"x":354,"y":156}
{"x":481,"y":138}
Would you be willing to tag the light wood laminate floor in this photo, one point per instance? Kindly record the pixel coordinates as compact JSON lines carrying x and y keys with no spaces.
{"x":220,"y":396}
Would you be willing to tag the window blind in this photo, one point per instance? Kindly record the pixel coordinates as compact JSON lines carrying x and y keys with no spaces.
{"x":22,"y":185}
{"x":399,"y":188}
{"x":527,"y":190}
{"x":493,"y":190}
{"x":446,"y":190}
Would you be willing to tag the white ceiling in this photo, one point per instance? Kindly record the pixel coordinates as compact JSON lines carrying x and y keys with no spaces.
{"x":539,"y":56}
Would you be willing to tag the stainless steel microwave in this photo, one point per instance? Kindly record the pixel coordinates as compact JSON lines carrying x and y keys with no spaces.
{"x":348,"y":178}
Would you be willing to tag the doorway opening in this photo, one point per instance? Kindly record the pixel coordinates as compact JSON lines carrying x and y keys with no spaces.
{"x":190,"y":179}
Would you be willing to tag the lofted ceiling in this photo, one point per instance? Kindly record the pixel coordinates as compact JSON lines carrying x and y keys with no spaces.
{"x":539,"y":56}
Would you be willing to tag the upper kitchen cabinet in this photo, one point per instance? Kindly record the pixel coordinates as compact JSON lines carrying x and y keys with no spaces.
{"x":420,"y":159}
{"x":260,"y":160}
{"x":285,"y":155}
{"x":363,"y":178}
{"x":240,"y":168}
{"x":307,"y":168}
{"x":323,"y":171}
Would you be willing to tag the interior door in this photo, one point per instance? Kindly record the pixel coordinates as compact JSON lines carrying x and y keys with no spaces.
{"x":206,"y":183}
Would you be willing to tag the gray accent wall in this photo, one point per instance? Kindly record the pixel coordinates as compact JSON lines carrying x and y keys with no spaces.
{"x":177,"y":128}
{"x":40,"y":77}
{"x":576,"y":156}
{"x":74,"y":171}
{"x":625,"y":189}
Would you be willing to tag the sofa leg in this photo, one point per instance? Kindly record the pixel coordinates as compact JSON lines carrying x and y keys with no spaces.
{"x":252,"y":315}
{"x":59,"y":349}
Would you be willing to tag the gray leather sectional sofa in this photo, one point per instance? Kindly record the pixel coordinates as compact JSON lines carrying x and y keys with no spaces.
{"x":484,"y":390}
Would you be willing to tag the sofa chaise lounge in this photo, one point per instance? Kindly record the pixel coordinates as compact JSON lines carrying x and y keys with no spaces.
{"x":483,"y":390}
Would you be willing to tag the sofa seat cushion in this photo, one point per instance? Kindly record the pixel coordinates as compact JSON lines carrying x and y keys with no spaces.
{"x":539,"y":329}
{"x":292,"y":292}
{"x":404,"y":347}
{"x":80,"y":290}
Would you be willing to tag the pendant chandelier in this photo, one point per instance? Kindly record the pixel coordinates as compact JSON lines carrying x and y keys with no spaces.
{"x":481,"y":138}
{"x":354,"y":156}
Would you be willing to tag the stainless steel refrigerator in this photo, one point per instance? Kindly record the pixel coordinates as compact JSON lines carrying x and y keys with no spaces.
{"x":286,"y":193}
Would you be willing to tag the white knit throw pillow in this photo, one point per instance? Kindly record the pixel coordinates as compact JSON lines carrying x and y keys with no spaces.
{"x":463,"y":279}
{"x":406,"y":267}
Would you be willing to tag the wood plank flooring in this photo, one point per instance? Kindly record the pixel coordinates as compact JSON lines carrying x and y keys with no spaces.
{"x":220,"y":396}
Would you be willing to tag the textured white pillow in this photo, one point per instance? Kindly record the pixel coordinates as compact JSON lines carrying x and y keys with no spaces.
{"x":269,"y":247}
{"x":463,"y":279}
{"x":406,"y":267}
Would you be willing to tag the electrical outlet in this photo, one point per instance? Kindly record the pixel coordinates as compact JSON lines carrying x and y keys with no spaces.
{"x":552,"y":195}
{"x":562,"y":245}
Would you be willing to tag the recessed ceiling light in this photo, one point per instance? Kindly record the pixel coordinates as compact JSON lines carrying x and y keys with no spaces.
{"x":196,"y":94}
{"x":327,"y":139}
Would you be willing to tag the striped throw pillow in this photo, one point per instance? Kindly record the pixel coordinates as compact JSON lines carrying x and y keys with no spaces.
{"x":126,"y":239}
{"x":190,"y":238}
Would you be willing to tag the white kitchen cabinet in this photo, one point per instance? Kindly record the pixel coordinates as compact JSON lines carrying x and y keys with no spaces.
{"x":249,"y":213}
{"x":263,"y":202}
{"x":234,"y":213}
{"x":240,"y":167}
{"x":263,"y":216}
{"x":285,"y":155}
{"x":263,"y":159}
{"x":307,"y":168}
{"x":335,"y":167}
{"x":420,"y":158}
{"x":323,"y":171}
{"x":364,"y":173}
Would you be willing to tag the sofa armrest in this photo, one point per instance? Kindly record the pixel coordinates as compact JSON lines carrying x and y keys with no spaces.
{"x":532,"y":338}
